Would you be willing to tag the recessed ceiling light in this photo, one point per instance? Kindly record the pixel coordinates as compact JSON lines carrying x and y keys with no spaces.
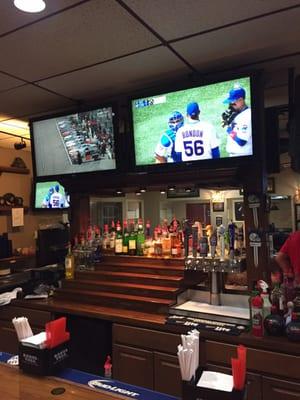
{"x":143,"y":190}
{"x":31,"y":6}
{"x":162,"y":191}
{"x":138,"y":193}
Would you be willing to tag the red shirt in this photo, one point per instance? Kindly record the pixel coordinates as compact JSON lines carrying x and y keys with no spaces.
{"x":291,"y":247}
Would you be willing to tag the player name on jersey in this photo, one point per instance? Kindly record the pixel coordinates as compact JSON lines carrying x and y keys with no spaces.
{"x":192,"y":133}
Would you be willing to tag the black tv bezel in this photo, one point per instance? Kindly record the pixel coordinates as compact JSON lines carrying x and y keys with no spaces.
{"x":76,"y":110}
{"x":257,"y":108}
{"x":42,"y":209}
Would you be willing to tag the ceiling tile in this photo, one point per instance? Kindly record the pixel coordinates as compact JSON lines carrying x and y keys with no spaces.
{"x":243,"y":46}
{"x":135,"y":71}
{"x":176,"y":18}
{"x":6,"y":82}
{"x":28,"y":100}
{"x":96,"y":31}
{"x":12,"y":18}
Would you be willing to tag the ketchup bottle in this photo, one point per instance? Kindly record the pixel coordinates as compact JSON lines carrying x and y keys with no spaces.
{"x":257,"y":316}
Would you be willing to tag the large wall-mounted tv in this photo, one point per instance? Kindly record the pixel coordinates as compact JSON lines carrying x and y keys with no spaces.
{"x":74,"y":143}
{"x":195,"y":124}
{"x":50,"y":195}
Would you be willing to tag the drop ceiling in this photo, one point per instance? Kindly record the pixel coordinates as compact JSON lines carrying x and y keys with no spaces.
{"x":83,"y":51}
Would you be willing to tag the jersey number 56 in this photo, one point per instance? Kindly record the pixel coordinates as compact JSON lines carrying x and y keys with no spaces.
{"x":193,"y":148}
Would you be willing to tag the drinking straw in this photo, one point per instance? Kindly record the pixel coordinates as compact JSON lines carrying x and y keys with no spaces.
{"x":242,"y":356}
{"x":236,"y":373}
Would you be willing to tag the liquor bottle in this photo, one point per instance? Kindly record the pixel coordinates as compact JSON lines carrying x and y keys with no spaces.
{"x":140,"y":238}
{"x":277,"y":298}
{"x":132,"y":240}
{"x":288,"y":288}
{"x":69,"y":264}
{"x":165,"y":239}
{"x":149,"y":245}
{"x":112,"y":236}
{"x":274,"y":323}
{"x":125,"y":238}
{"x":105,"y":241}
{"x":118,"y":240}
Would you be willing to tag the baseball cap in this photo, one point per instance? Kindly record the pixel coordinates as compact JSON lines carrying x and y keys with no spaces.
{"x":235,"y":94}
{"x":192,"y":109}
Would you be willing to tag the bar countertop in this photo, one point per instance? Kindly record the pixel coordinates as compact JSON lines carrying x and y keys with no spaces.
{"x":15,"y":385}
{"x":157,"y":322}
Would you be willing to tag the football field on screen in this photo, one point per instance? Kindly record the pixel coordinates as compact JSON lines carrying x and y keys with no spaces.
{"x":151,"y":121}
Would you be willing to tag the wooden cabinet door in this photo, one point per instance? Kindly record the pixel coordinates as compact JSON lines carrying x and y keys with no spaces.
{"x":254,"y":381}
{"x":8,"y":338}
{"x":277,"y":389}
{"x":134,"y":366}
{"x":167,"y":378}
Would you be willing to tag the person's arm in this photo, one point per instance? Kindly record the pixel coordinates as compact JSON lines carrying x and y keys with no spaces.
{"x":283,"y":260}
{"x":160,"y":159}
{"x":239,"y":141}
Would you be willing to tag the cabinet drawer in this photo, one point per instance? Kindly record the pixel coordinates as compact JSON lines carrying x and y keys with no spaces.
{"x":146,"y":338}
{"x":35,"y":317}
{"x":257,"y":360}
{"x":134,"y":366}
{"x":167,"y":377}
{"x":277,"y":389}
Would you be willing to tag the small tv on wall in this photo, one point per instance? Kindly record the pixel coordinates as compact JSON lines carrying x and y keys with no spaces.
{"x":196,"y":124}
{"x":50,"y":195}
{"x":74,"y":143}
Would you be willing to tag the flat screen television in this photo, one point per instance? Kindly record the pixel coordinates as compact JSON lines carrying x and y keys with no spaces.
{"x":50,"y":195}
{"x":194,"y":125}
{"x":74,"y":143}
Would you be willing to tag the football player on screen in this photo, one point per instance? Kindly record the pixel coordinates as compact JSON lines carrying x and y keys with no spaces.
{"x":196,"y":140}
{"x":164,"y":151}
{"x":237,"y":120}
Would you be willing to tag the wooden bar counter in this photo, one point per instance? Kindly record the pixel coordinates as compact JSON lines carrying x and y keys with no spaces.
{"x":15,"y":385}
{"x":143,"y":347}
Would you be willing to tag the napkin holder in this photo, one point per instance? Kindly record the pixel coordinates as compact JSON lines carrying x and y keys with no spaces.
{"x":43,"y":361}
{"x":190,"y":391}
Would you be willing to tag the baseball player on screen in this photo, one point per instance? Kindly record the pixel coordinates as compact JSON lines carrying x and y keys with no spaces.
{"x":57,"y":200}
{"x":196,"y":140}
{"x":164,"y":151}
{"x":238,"y":121}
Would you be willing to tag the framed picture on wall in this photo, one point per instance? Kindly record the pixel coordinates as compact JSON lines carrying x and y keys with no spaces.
{"x":238,"y":210}
{"x":218,"y":206}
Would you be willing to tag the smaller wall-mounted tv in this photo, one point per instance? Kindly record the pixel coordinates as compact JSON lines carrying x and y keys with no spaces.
{"x":74,"y":143}
{"x":197,"y":124}
{"x":50,"y":195}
